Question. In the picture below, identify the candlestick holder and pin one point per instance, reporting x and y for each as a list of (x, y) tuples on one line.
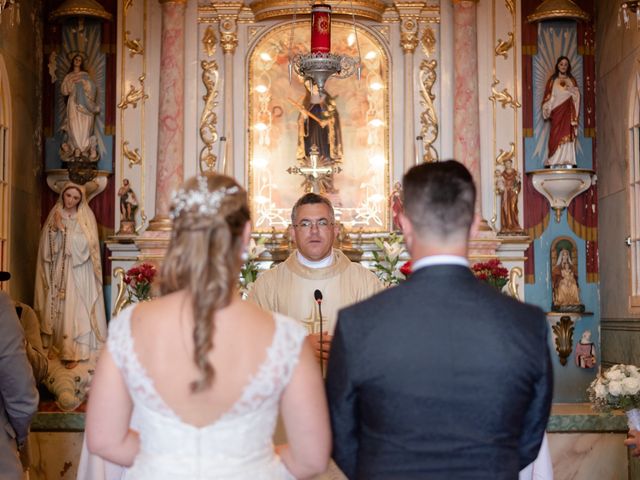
[(318, 67), (320, 64)]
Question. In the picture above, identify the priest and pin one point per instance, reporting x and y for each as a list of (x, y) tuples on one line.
[(314, 283), (316, 280)]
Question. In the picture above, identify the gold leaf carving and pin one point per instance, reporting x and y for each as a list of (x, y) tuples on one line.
[(428, 41), (563, 330), (409, 34), (504, 46), (134, 95), (508, 155), (510, 4), (121, 298), (209, 119), (429, 116), (209, 40), (134, 156), (143, 221), (127, 5), (228, 35), (512, 285), (135, 46), (503, 97)]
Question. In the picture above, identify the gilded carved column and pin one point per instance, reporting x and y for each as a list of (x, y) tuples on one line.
[(228, 13), (466, 112), (169, 172), (409, 15)]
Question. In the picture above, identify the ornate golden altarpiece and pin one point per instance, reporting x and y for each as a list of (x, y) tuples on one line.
[(241, 118)]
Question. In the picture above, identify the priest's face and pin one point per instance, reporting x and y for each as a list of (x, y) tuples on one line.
[(314, 231)]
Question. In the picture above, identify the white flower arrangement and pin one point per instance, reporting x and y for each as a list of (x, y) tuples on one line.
[(386, 264), (617, 388), (250, 270)]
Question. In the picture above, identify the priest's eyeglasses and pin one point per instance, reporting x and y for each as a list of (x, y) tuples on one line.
[(321, 224)]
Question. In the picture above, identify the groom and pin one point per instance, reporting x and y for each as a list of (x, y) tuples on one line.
[(441, 377)]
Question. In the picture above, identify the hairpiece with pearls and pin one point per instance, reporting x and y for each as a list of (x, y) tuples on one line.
[(200, 201)]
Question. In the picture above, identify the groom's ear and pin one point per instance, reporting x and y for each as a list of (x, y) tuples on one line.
[(405, 224), (407, 229), (475, 225)]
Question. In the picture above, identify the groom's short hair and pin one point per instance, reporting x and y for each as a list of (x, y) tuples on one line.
[(439, 199)]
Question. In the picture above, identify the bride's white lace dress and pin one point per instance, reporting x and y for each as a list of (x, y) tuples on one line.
[(236, 446)]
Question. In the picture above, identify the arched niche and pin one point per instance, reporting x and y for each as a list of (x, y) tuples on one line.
[(273, 127)]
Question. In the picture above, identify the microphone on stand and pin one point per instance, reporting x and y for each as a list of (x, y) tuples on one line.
[(318, 297)]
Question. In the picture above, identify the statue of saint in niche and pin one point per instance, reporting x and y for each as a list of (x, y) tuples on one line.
[(81, 140), (319, 126), (561, 106), (564, 278)]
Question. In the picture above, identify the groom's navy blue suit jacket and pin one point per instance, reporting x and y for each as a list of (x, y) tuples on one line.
[(441, 377)]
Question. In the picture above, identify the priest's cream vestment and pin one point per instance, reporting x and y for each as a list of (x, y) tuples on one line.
[(289, 289)]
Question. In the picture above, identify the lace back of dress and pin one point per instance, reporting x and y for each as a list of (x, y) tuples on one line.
[(120, 344), (275, 372)]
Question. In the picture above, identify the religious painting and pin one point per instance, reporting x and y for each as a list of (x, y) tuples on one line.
[(564, 276), (335, 142)]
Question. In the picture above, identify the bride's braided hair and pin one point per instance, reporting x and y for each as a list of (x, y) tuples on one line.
[(209, 215)]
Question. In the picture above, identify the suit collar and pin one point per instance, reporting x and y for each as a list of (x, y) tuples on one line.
[(442, 271)]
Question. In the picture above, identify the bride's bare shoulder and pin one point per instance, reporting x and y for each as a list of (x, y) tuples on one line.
[(165, 307)]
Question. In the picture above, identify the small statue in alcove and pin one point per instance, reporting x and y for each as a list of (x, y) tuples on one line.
[(564, 278), (128, 207), (586, 351)]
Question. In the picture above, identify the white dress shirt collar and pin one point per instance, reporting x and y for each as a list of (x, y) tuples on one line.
[(432, 260)]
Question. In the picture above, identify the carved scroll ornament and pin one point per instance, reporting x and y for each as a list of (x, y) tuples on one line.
[(209, 119), (504, 97), (134, 95), (429, 116)]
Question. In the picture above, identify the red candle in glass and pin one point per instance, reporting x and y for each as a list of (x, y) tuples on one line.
[(320, 28)]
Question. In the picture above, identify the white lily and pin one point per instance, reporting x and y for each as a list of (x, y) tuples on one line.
[(256, 248), (392, 251)]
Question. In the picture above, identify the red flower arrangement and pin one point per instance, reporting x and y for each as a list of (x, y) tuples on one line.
[(491, 272), (138, 280)]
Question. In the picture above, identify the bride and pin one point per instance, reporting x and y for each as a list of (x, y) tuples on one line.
[(206, 372)]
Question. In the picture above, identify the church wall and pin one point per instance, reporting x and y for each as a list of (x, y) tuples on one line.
[(617, 63), (21, 49), (136, 121)]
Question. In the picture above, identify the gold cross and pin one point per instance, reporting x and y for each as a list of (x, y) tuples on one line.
[(313, 173)]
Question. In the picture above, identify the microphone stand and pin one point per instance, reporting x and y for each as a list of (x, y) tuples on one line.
[(321, 347)]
